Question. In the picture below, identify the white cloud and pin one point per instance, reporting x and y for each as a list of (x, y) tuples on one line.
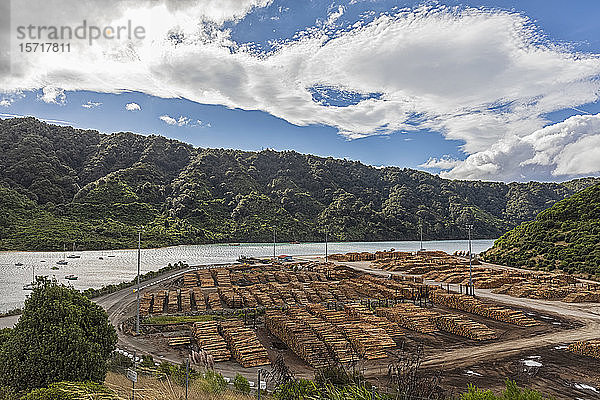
[(53, 95), (445, 162), (334, 16), (132, 107), (5, 102), (91, 104), (565, 149), (168, 120), (181, 121), (484, 77)]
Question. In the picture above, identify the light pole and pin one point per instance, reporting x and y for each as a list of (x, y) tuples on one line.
[(273, 243), (469, 227), (421, 232), (326, 232), (137, 317)]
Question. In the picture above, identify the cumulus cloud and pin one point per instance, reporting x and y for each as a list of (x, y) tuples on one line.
[(181, 121), (91, 104), (132, 107), (485, 77), (53, 95), (565, 149), (5, 102)]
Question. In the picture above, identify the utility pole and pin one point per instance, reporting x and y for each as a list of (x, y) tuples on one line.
[(273, 243), (469, 227), (187, 376), (326, 254), (133, 380), (137, 317), (258, 389), (421, 231)]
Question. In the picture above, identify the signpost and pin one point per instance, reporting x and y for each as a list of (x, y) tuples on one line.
[(131, 375)]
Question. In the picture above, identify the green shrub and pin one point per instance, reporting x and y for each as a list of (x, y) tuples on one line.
[(212, 382), (474, 393), (71, 391), (61, 336), (299, 389), (241, 384)]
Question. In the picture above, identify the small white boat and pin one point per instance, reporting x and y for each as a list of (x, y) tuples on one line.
[(71, 277), (18, 264), (62, 262)]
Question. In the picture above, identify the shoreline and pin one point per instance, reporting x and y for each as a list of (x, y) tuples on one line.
[(242, 244)]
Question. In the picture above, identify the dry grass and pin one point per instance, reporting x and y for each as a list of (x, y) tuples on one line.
[(150, 388)]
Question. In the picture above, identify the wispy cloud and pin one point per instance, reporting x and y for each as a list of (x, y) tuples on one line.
[(183, 121), (91, 104), (5, 102)]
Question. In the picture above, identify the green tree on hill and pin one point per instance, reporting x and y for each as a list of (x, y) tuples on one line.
[(565, 236), (61, 336)]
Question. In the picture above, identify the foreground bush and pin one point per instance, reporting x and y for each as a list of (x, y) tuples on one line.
[(61, 336), (71, 391), (511, 392)]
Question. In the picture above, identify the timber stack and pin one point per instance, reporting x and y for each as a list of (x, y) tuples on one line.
[(586, 348), (207, 336), (159, 302), (245, 346), (334, 339), (464, 327), (172, 305), (475, 306), (299, 338), (410, 317)]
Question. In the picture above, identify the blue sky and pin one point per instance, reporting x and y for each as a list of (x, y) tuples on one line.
[(430, 132)]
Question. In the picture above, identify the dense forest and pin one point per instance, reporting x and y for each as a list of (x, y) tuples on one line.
[(63, 185), (566, 236)]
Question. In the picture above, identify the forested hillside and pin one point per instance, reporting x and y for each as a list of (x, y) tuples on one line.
[(63, 185), (566, 236)]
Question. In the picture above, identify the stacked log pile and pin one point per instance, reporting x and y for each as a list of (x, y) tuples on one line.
[(179, 341), (362, 313), (586, 296), (589, 349), (186, 300), (159, 302), (230, 297), (368, 340), (475, 306), (244, 345), (205, 278), (207, 336), (199, 299), (334, 339), (173, 304), (464, 327), (261, 295), (146, 303), (190, 280), (221, 276), (248, 298), (214, 303), (298, 337), (410, 317)]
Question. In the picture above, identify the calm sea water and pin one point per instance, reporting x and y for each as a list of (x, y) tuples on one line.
[(95, 272)]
